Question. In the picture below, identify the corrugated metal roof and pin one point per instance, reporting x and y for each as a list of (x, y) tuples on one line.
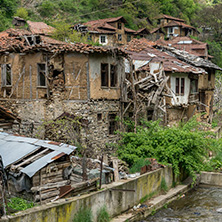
[(14, 148)]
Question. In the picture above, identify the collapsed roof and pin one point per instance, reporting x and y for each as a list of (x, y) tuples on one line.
[(20, 40), (40, 28), (143, 50)]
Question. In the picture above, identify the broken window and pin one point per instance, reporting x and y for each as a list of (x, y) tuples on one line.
[(104, 75), (6, 75), (89, 38), (113, 76), (112, 123), (180, 86), (128, 38), (119, 25), (102, 39), (119, 37), (149, 114), (41, 74), (193, 86)]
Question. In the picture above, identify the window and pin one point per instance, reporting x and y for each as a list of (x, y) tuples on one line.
[(6, 75), (103, 39), (41, 74), (119, 25), (170, 30), (99, 117), (113, 76), (104, 75), (180, 86), (109, 76), (119, 37), (128, 38), (89, 38), (112, 123), (193, 86)]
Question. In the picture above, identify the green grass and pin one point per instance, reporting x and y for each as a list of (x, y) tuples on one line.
[(83, 215), (103, 215)]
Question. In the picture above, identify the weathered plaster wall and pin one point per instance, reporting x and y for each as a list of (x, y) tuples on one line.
[(211, 178), (115, 201), (96, 90)]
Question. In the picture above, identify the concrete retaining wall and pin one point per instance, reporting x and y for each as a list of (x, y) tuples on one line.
[(211, 178), (116, 201)]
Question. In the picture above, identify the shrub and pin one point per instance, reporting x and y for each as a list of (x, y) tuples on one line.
[(19, 204), (184, 147), (22, 13), (83, 215), (103, 215)]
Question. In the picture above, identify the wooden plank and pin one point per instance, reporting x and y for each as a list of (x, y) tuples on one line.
[(116, 172), (30, 77)]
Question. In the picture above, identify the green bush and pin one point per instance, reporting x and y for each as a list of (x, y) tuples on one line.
[(19, 204), (163, 185), (83, 215), (138, 165), (184, 147), (103, 215)]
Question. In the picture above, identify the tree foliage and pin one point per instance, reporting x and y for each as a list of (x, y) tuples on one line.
[(183, 146)]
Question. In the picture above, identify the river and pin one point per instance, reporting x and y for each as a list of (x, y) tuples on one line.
[(201, 204)]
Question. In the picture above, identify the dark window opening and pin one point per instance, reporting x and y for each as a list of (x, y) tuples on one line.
[(193, 86), (6, 75), (119, 37), (89, 38), (41, 75), (112, 123), (182, 86), (104, 75), (119, 25), (37, 39), (99, 117), (149, 115), (113, 76), (177, 85), (128, 38), (209, 76)]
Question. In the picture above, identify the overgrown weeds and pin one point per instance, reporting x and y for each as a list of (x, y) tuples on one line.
[(83, 215), (138, 165), (103, 215), (19, 204)]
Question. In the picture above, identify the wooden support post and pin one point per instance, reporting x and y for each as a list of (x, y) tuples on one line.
[(84, 168), (116, 170), (101, 172)]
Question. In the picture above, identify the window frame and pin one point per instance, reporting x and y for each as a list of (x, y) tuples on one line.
[(4, 74), (38, 75), (129, 38), (120, 38), (111, 71), (119, 25), (180, 86), (104, 72), (105, 39)]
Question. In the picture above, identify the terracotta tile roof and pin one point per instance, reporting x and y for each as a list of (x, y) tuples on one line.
[(142, 49), (15, 42), (180, 24), (129, 30), (187, 44), (40, 28), (142, 30), (102, 25), (170, 17), (156, 29)]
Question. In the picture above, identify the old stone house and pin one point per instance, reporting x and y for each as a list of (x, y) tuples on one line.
[(175, 27), (180, 85), (41, 78), (109, 31)]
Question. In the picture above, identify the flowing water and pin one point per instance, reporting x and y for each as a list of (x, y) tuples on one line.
[(201, 204)]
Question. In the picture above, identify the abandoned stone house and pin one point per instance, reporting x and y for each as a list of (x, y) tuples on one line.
[(41, 78), (183, 82), (175, 27), (109, 31)]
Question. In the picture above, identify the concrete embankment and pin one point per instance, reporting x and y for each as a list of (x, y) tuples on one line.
[(211, 178), (117, 197)]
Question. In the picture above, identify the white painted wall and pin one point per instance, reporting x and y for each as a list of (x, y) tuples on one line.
[(180, 99)]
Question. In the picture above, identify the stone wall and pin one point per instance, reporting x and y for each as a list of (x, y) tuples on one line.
[(117, 201), (34, 113)]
